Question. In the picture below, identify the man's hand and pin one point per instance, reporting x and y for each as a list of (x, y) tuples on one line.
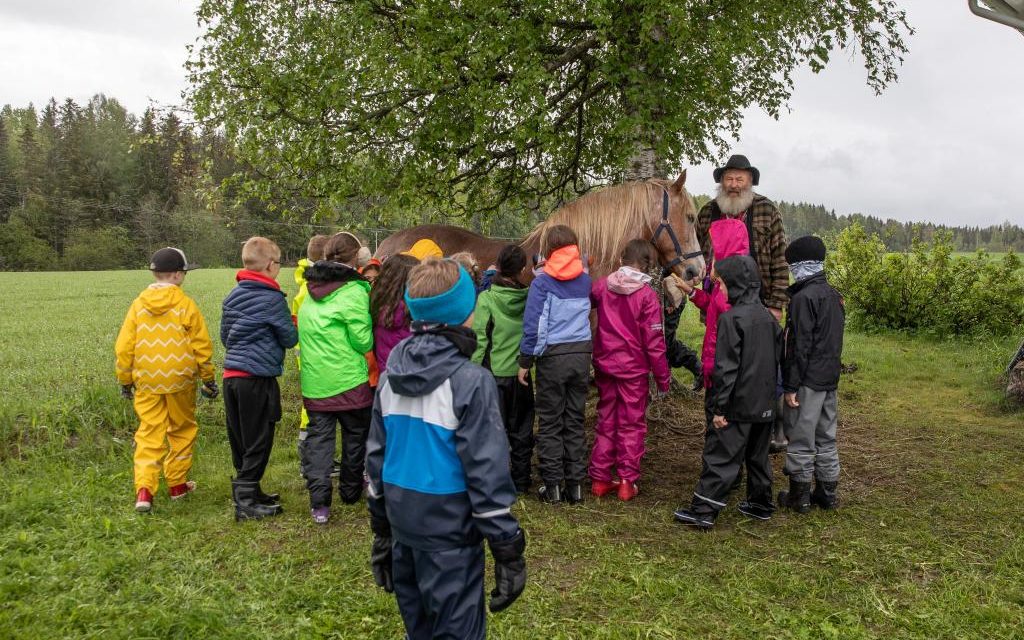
[(209, 389), (522, 376), (791, 400), (509, 571), (128, 391), (776, 313), (720, 422)]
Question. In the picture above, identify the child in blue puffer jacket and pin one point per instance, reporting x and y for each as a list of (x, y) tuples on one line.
[(256, 328)]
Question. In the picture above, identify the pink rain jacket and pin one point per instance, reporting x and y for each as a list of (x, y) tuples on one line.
[(628, 341), (728, 238)]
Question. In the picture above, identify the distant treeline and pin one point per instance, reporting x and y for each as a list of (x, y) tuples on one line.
[(95, 187), (803, 218)]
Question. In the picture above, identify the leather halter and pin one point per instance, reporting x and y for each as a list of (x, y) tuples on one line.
[(667, 227)]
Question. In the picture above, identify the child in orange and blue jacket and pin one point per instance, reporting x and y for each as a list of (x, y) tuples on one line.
[(556, 337)]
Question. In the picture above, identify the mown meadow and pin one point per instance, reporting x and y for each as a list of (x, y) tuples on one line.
[(928, 542)]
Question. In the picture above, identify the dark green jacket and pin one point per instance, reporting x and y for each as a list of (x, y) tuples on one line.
[(498, 323)]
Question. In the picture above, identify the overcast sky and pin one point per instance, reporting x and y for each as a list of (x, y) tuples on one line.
[(944, 144)]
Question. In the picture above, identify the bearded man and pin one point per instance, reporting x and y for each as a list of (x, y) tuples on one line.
[(736, 199)]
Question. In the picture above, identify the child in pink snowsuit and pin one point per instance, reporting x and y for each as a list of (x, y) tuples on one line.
[(728, 238), (628, 344)]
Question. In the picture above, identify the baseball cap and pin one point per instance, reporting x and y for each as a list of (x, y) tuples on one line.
[(169, 260)]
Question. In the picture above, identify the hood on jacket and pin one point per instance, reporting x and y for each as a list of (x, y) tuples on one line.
[(420, 364), (324, 278), (729, 238), (741, 277), (300, 271), (510, 301), (158, 298), (627, 280), (564, 263)]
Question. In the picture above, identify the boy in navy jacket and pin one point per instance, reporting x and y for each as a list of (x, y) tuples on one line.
[(556, 337), (437, 461), (256, 328)]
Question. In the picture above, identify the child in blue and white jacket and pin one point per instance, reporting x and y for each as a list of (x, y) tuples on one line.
[(556, 337), (437, 463)]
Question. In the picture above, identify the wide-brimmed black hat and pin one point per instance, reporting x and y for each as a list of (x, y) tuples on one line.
[(738, 162)]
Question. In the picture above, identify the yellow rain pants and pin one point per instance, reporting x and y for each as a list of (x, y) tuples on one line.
[(166, 436)]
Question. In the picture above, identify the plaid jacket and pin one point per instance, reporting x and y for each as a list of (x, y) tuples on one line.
[(767, 246)]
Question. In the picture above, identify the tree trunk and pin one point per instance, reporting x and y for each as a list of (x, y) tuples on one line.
[(644, 164)]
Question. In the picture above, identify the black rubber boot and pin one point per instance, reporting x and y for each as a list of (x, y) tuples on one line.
[(778, 442), (573, 493), (824, 496), (246, 506), (550, 493), (268, 499), (798, 498)]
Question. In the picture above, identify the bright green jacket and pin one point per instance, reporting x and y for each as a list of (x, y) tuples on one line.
[(498, 323), (334, 333)]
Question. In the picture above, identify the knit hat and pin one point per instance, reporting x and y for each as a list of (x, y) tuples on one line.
[(169, 260), (451, 307), (424, 249), (805, 248)]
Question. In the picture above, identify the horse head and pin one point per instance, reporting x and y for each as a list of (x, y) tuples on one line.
[(673, 230)]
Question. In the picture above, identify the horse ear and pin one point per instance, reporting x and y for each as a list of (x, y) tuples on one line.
[(680, 181)]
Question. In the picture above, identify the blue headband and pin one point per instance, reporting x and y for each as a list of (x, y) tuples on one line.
[(451, 307)]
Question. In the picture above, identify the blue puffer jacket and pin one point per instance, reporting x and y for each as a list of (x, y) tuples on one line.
[(437, 457), (256, 326)]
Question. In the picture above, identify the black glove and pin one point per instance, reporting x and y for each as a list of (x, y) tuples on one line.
[(128, 391), (209, 389), (509, 571), (380, 555)]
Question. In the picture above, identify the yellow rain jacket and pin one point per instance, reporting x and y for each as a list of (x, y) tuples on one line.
[(300, 279), (163, 343)]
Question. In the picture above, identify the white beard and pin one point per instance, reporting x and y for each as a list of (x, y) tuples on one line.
[(733, 205)]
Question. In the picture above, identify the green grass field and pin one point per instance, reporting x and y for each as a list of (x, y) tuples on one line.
[(928, 543)]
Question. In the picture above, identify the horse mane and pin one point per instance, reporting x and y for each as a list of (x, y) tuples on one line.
[(605, 220)]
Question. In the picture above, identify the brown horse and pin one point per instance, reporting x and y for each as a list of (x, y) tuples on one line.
[(657, 210)]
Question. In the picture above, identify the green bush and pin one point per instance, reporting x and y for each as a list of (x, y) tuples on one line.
[(926, 290), (99, 249), (20, 250)]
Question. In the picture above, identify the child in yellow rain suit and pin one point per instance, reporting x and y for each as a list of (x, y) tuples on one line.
[(163, 344)]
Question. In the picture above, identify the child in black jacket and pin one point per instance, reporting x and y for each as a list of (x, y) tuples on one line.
[(810, 377), (741, 402)]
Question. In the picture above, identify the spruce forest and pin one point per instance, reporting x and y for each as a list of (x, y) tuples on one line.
[(95, 187)]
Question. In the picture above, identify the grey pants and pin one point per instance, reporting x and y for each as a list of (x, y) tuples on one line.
[(811, 431)]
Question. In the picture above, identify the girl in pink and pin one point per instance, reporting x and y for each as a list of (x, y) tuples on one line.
[(628, 344), (728, 238), (391, 319)]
